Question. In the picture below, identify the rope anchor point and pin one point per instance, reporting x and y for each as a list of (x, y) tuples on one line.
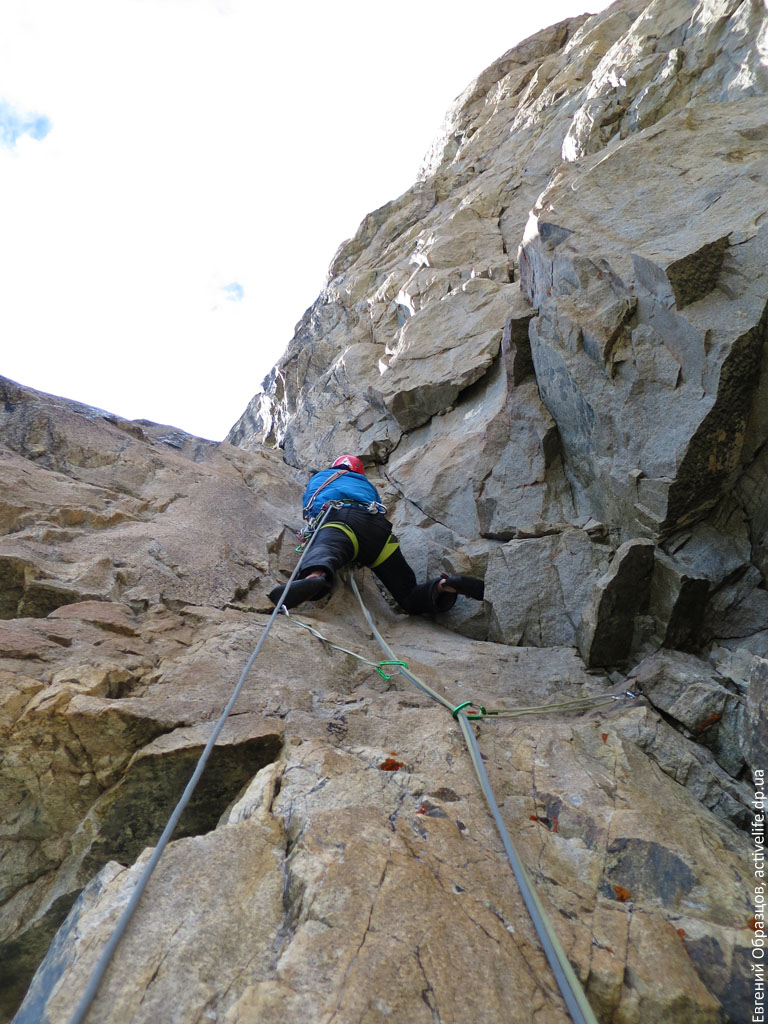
[(480, 711), (381, 664)]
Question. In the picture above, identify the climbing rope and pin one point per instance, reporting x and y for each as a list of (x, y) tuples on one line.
[(378, 665), (598, 700), (479, 710), (568, 983), (97, 975)]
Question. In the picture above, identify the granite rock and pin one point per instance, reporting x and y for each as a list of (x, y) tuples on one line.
[(551, 354)]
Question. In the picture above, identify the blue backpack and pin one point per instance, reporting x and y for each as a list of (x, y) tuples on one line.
[(337, 485)]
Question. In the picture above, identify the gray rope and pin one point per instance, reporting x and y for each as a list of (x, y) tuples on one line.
[(568, 983), (97, 975), (336, 647), (418, 683)]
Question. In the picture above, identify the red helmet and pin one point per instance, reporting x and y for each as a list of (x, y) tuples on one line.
[(350, 462)]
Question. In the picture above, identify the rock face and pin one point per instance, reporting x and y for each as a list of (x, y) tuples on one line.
[(519, 375), (551, 352)]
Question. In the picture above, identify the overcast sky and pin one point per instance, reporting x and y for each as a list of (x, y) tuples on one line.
[(176, 175)]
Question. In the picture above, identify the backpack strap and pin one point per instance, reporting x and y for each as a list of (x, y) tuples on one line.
[(335, 476)]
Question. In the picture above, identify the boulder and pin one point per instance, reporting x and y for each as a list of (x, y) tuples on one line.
[(698, 699), (457, 339), (539, 587), (677, 602), (606, 631)]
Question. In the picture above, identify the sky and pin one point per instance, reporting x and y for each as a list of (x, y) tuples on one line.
[(176, 176)]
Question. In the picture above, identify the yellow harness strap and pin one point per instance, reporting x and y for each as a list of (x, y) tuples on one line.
[(390, 545), (389, 548), (349, 532)]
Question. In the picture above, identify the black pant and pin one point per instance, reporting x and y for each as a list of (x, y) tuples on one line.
[(332, 549)]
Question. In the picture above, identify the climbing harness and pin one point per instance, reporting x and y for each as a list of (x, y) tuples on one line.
[(374, 507), (390, 547), (348, 532), (97, 975)]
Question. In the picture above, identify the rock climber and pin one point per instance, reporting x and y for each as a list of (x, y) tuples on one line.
[(356, 530)]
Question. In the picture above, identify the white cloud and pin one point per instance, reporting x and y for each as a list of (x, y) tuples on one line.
[(199, 144)]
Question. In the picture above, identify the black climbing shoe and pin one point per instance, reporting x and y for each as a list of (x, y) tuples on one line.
[(311, 589), (469, 586)]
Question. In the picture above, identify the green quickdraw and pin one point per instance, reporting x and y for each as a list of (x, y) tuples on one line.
[(378, 665), (460, 707), (471, 704), (383, 674)]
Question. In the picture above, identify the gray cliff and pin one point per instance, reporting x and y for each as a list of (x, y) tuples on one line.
[(551, 353)]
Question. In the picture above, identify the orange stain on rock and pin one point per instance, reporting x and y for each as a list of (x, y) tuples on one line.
[(708, 721), (549, 823)]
